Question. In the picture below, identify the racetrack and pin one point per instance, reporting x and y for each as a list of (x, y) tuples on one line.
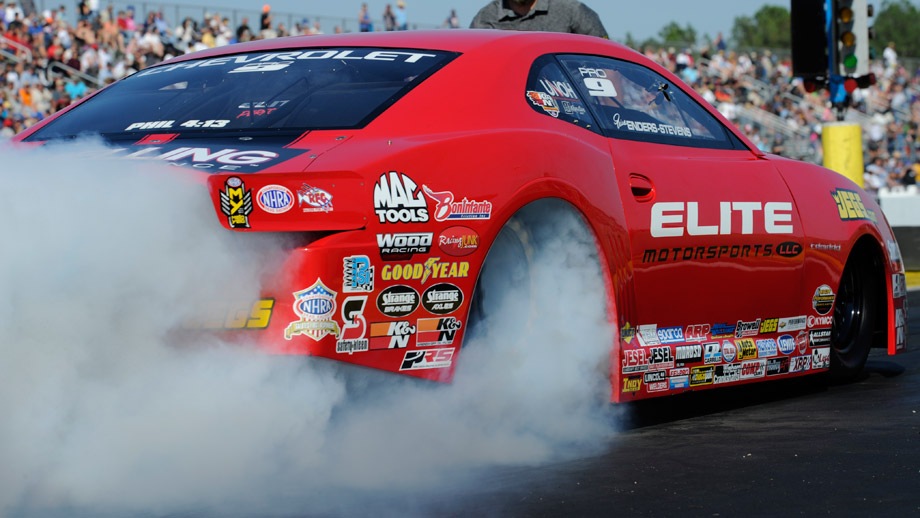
[(775, 449)]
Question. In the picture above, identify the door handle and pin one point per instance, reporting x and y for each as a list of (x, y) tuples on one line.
[(641, 186)]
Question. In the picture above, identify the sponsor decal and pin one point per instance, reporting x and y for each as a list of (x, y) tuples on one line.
[(398, 301), (712, 353), (723, 330), (314, 199), (256, 316), (671, 335), (776, 366), (427, 359), (660, 358), (206, 159), (729, 351), (314, 306), (766, 348), (648, 335), (898, 285), (727, 373), (900, 327), (826, 247), (627, 333), (675, 219), (800, 363), (544, 101), (632, 384), (747, 349), (398, 199), (442, 299), (701, 376), (684, 371), (151, 125), (769, 326), (753, 369), (814, 321), (576, 109), (448, 208), (789, 249), (850, 206), (894, 251), (819, 337), (650, 127), (656, 376), (685, 354), (801, 342), (713, 252), (358, 274), (437, 331), (744, 329), (354, 327), (679, 382), (275, 199), (458, 241), (697, 333), (789, 324), (560, 89), (391, 335), (634, 360), (823, 300), (821, 358), (432, 268), (657, 386), (274, 61), (404, 245), (786, 344), (236, 202)]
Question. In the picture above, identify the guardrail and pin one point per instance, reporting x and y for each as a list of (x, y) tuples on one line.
[(23, 53)]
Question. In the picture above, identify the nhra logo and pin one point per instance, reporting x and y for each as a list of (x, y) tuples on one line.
[(236, 202), (403, 246), (358, 274), (397, 199), (397, 301), (437, 331), (442, 299), (315, 199), (391, 335), (275, 199), (315, 306), (429, 359)]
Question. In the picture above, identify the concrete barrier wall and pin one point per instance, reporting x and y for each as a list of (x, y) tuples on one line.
[(902, 208)]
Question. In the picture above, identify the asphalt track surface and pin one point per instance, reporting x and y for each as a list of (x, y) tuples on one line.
[(796, 448)]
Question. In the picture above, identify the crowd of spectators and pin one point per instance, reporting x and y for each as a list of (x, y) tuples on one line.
[(51, 62)]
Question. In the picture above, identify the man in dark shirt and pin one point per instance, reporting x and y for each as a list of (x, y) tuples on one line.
[(540, 15)]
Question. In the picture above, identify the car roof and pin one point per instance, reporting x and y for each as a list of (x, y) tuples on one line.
[(454, 40)]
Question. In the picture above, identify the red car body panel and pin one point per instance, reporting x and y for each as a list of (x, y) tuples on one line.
[(697, 246)]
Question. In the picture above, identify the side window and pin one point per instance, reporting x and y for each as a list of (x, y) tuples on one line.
[(551, 92), (635, 103)]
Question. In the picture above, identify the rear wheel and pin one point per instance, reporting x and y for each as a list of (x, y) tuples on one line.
[(855, 316)]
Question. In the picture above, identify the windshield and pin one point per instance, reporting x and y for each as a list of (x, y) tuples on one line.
[(255, 93)]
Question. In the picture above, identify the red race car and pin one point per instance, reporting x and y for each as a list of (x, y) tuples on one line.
[(419, 168)]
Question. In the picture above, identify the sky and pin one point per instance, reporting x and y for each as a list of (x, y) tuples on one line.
[(642, 19)]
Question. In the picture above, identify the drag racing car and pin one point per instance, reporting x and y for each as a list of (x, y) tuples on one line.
[(412, 164)]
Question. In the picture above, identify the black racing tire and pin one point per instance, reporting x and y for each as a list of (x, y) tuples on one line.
[(508, 263), (855, 317)]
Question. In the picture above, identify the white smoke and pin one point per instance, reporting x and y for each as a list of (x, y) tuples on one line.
[(103, 413)]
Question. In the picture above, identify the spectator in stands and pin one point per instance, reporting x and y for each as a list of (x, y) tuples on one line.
[(402, 17), (569, 16), (452, 21), (389, 18), (364, 19), (243, 28)]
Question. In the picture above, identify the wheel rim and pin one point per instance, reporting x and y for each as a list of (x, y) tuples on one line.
[(848, 314)]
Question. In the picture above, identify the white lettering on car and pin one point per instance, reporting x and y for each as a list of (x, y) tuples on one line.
[(674, 219)]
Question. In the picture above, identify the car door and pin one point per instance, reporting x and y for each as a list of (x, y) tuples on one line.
[(716, 240)]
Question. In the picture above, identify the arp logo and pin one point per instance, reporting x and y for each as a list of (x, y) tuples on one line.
[(697, 333), (427, 359)]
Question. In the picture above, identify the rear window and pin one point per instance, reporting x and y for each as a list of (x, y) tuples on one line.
[(259, 92)]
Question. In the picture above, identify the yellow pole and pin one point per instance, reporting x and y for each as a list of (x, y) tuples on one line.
[(843, 150)]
